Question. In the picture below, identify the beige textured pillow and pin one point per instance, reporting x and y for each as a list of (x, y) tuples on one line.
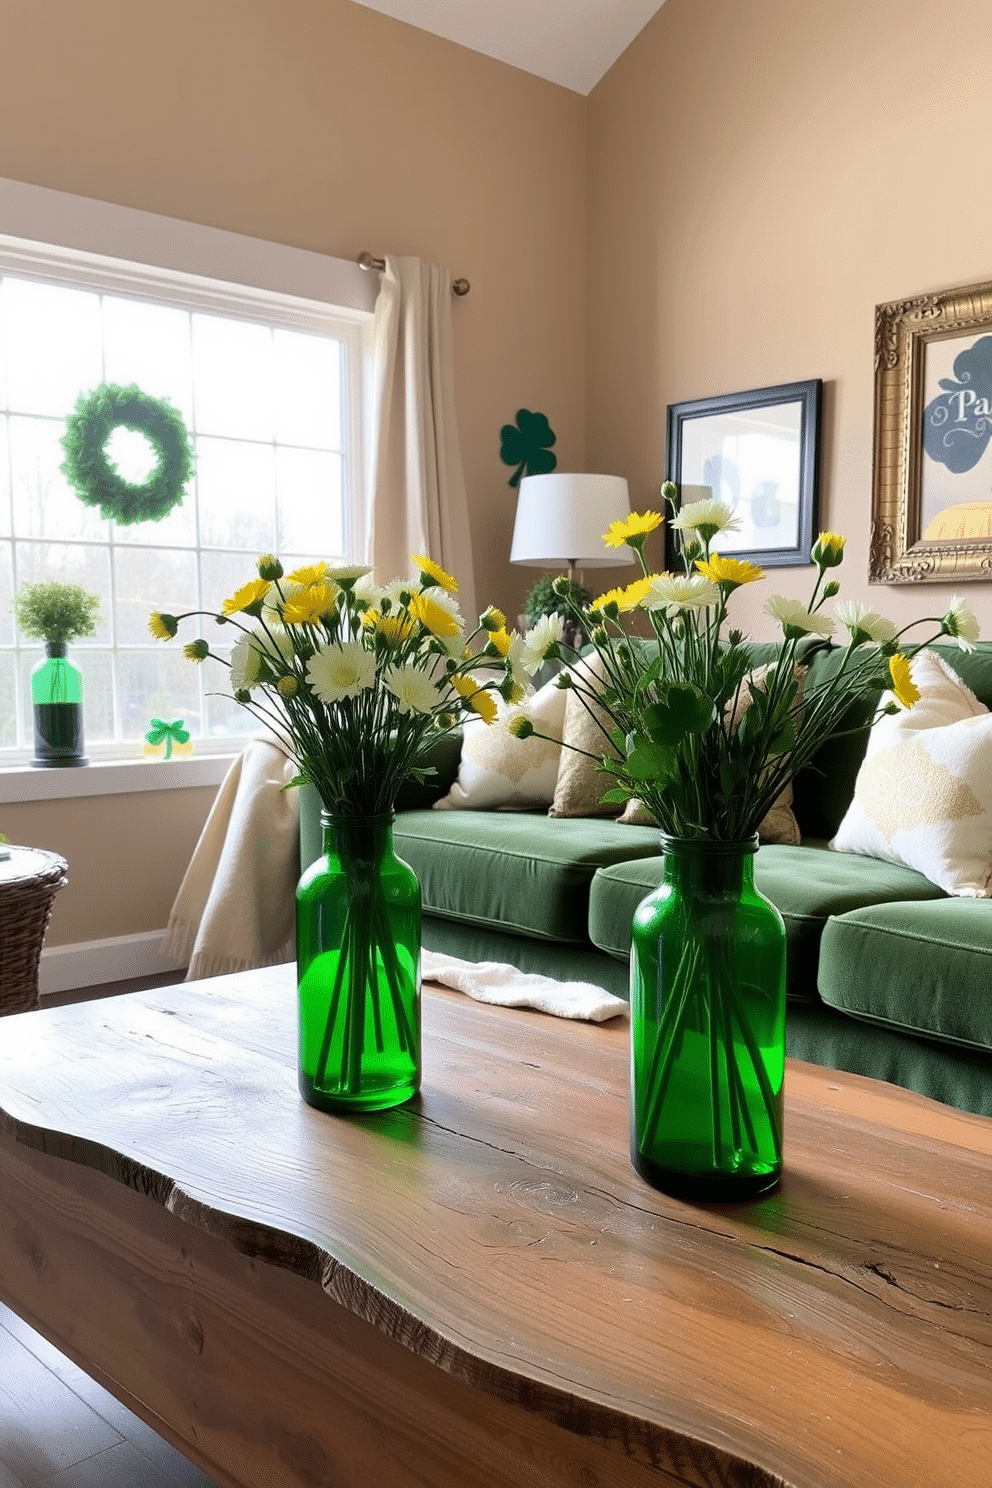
[(923, 795), (497, 770), (580, 783), (779, 822)]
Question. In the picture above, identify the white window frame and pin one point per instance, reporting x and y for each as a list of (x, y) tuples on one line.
[(53, 236)]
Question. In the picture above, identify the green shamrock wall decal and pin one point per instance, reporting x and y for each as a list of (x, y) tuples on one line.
[(527, 445)]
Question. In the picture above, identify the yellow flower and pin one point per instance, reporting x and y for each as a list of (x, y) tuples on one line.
[(828, 550), (633, 531), (624, 599), (431, 570), (479, 701), (247, 597), (309, 605), (162, 627), (630, 598), (314, 574), (501, 639), (492, 619), (196, 651), (905, 689), (612, 596), (394, 629), (730, 571), (287, 686), (432, 616)]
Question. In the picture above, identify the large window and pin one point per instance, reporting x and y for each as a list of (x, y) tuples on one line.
[(268, 386)]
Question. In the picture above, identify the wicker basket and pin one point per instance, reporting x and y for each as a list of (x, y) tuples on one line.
[(29, 880)]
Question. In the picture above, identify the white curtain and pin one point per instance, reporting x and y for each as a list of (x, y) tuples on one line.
[(418, 502)]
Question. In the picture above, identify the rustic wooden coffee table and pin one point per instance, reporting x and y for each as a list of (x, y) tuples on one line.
[(477, 1291)]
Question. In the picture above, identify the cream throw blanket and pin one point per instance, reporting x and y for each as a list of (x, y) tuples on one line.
[(236, 907), (236, 904)]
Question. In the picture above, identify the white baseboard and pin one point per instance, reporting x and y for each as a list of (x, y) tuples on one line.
[(90, 963)]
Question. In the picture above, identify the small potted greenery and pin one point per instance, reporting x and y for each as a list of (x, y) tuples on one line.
[(56, 613)]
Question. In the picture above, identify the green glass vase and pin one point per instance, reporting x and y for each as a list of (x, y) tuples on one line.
[(358, 924), (57, 699), (707, 1015)]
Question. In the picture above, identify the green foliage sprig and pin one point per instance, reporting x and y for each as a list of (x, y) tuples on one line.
[(93, 475), (53, 611)]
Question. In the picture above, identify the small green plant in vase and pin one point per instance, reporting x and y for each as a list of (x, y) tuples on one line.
[(56, 613)]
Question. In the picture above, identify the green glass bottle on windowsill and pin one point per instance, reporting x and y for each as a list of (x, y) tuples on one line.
[(57, 698), (55, 612)]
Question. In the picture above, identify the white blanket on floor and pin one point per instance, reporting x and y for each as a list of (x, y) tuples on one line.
[(492, 981)]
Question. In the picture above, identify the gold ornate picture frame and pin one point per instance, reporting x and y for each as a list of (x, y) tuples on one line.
[(932, 460)]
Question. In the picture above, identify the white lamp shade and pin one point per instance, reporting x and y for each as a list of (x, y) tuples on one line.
[(561, 520)]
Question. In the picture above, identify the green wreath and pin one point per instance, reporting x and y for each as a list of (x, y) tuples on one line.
[(97, 481)]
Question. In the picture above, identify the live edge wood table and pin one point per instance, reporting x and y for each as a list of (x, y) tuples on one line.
[(477, 1291)]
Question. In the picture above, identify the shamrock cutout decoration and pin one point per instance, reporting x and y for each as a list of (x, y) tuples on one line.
[(527, 445), (165, 733)]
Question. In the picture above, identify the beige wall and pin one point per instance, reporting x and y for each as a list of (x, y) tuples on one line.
[(761, 176), (320, 124)]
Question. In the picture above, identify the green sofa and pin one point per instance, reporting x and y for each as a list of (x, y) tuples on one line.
[(886, 975)]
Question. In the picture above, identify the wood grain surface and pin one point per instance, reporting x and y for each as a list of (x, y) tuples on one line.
[(477, 1288)]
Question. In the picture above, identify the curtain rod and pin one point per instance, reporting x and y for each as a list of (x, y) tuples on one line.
[(366, 261)]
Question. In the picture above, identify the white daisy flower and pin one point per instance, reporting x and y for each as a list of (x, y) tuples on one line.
[(368, 591), (864, 624), (347, 574), (707, 517), (960, 623), (547, 631), (676, 592), (795, 619), (246, 662), (336, 672), (414, 691)]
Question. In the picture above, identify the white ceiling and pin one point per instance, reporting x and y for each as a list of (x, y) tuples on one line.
[(572, 42)]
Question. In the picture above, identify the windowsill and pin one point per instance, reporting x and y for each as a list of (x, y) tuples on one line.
[(111, 778)]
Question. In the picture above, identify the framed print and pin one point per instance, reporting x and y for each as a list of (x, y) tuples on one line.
[(757, 452), (931, 468)]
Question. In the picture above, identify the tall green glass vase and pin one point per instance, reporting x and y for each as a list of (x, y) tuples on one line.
[(707, 1026), (358, 924), (57, 699)]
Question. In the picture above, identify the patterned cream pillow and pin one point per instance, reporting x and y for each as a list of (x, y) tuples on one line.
[(581, 783), (497, 770), (923, 795)]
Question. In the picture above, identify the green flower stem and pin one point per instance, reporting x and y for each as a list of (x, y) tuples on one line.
[(391, 967), (320, 1077)]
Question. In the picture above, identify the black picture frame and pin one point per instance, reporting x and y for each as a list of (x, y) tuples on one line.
[(772, 485)]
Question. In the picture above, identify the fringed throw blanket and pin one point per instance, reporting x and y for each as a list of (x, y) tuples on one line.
[(236, 907)]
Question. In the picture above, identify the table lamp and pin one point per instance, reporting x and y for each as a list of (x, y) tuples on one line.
[(561, 519)]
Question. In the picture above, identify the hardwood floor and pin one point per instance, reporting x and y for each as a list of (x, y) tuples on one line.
[(59, 1428)]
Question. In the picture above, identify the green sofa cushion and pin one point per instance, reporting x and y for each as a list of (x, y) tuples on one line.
[(930, 968), (522, 871), (806, 884)]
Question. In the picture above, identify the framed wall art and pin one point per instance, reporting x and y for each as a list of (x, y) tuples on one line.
[(758, 452), (932, 465)]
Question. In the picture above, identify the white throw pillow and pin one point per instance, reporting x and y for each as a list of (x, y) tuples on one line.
[(923, 795), (497, 770)]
